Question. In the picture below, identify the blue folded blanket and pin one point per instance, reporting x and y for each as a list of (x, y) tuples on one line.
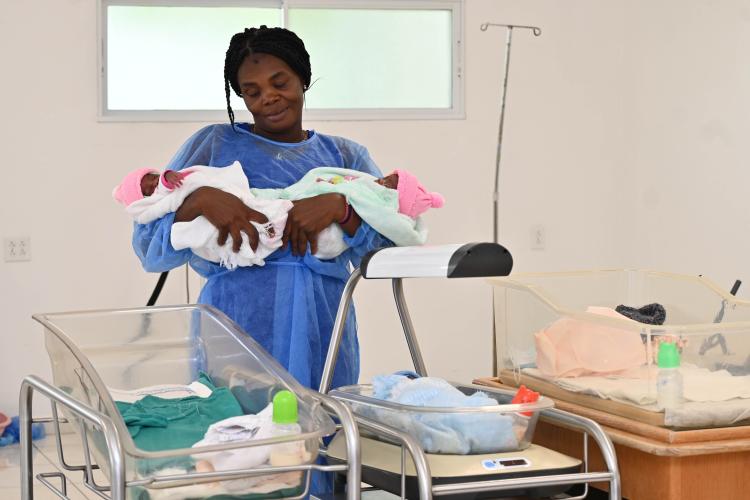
[(446, 433)]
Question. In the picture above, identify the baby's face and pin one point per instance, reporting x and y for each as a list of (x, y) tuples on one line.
[(149, 183), (389, 181)]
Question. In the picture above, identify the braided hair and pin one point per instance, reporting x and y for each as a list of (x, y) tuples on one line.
[(279, 42)]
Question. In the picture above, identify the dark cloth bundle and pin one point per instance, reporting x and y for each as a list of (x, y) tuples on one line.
[(651, 314)]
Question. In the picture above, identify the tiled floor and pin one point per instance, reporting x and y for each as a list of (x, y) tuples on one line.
[(45, 460)]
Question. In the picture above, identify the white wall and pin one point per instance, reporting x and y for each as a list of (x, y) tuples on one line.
[(563, 167), (687, 136)]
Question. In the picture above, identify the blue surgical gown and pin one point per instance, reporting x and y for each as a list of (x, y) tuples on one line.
[(288, 305)]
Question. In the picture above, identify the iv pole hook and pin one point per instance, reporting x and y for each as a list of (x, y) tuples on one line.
[(536, 30)]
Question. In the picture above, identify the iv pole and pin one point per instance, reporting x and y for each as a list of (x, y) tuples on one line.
[(496, 193)]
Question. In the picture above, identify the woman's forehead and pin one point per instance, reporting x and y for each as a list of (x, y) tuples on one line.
[(261, 67)]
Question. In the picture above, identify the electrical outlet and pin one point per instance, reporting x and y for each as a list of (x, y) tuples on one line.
[(17, 249), (538, 237)]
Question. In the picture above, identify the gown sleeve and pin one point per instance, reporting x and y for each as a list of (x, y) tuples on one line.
[(151, 241), (365, 239)]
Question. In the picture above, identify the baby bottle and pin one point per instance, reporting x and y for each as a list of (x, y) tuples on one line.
[(669, 379), (285, 424)]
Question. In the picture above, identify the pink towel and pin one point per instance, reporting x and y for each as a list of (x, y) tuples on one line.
[(572, 348)]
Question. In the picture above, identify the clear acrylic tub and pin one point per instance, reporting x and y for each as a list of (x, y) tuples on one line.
[(613, 357), (92, 353), (453, 430)]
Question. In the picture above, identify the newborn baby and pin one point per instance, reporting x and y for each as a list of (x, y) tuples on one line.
[(149, 195)]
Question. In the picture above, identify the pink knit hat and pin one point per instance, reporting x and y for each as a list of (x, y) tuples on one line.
[(413, 198), (129, 189)]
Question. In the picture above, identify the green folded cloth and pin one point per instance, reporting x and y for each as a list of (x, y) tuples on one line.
[(157, 424)]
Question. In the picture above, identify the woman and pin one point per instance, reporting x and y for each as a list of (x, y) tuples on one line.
[(288, 305)]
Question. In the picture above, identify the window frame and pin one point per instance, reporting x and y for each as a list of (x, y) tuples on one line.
[(456, 111)]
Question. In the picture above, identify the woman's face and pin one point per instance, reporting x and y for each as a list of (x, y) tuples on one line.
[(273, 94)]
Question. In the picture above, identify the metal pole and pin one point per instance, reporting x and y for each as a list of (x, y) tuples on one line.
[(606, 447), (498, 154), (508, 40), (496, 193), (353, 448), (338, 330), (519, 482), (411, 337), (111, 438), (27, 467), (421, 466)]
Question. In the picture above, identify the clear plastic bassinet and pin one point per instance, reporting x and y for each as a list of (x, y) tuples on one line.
[(92, 353), (453, 430), (710, 326)]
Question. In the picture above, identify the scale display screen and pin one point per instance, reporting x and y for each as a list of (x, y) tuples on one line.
[(505, 463)]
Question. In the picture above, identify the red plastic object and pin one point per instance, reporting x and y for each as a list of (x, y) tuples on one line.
[(4, 422), (525, 395)]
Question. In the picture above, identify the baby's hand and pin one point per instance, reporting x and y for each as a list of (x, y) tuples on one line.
[(174, 178)]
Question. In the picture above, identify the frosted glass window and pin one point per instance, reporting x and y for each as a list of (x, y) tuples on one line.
[(172, 58), (377, 58), (371, 59)]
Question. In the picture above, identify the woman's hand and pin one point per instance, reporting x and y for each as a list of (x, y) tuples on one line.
[(225, 211), (309, 217)]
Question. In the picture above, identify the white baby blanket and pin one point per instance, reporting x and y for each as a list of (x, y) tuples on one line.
[(711, 398), (164, 391), (199, 234), (236, 429)]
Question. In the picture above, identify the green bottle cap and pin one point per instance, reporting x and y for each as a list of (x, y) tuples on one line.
[(285, 408), (669, 356)]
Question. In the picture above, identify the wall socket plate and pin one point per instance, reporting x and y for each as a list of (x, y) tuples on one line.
[(17, 249), (538, 237)]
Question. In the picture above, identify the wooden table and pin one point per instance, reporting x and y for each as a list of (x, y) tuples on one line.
[(657, 463)]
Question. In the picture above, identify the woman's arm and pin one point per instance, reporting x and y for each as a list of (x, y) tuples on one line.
[(153, 247), (225, 211), (152, 243), (310, 216)]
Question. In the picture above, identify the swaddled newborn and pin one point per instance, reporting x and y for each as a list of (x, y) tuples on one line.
[(392, 205), (148, 196)]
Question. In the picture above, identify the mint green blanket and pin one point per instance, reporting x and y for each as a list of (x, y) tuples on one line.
[(375, 204)]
